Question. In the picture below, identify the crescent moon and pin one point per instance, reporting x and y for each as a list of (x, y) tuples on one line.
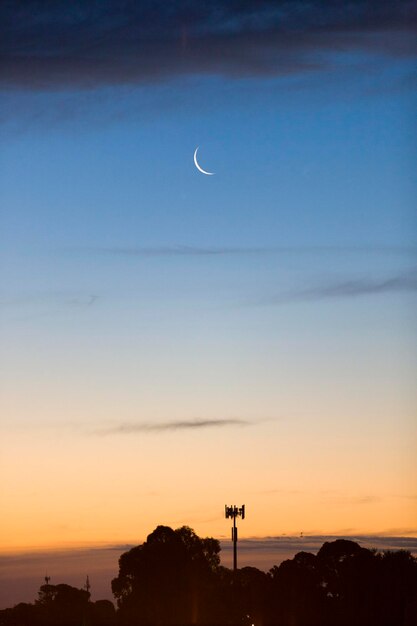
[(200, 169)]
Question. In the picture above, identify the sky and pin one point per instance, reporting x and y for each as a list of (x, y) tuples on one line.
[(174, 342)]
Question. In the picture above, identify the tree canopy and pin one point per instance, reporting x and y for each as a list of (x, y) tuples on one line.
[(60, 605), (167, 579)]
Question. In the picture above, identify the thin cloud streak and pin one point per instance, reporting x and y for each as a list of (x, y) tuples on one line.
[(63, 45), (313, 542), (63, 300), (172, 251), (402, 283), (198, 251), (23, 308), (149, 427)]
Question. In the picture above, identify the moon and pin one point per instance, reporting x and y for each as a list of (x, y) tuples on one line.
[(200, 169)]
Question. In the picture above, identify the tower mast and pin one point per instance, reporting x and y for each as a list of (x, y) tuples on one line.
[(234, 512)]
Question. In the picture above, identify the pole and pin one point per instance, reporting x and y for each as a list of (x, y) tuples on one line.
[(234, 544), (234, 512)]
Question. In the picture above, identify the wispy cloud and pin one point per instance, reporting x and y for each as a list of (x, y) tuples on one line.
[(157, 427), (197, 251), (327, 497), (404, 282), (24, 307), (79, 44), (346, 500), (178, 250), (42, 299)]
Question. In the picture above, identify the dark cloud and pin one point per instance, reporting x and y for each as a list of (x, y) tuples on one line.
[(406, 282), (49, 44), (268, 551), (156, 427), (312, 543)]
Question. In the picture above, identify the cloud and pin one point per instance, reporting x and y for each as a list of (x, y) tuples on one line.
[(149, 427), (178, 250), (268, 551), (22, 308), (60, 300), (197, 251), (402, 283), (55, 45), (343, 500)]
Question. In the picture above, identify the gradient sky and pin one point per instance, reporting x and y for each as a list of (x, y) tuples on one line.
[(172, 342)]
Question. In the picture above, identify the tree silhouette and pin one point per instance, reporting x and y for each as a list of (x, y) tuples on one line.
[(167, 579), (101, 613), (297, 594), (398, 576), (344, 585), (175, 577), (62, 604)]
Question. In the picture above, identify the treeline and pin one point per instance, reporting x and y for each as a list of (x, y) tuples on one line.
[(175, 577)]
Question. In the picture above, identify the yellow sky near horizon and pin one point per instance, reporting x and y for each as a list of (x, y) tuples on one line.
[(72, 487)]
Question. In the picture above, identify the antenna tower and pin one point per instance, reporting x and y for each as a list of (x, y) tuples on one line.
[(234, 512)]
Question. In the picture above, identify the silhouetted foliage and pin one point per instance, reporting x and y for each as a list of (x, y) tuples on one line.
[(344, 585), (23, 614), (240, 597), (175, 577), (168, 579), (296, 595), (102, 613), (60, 605)]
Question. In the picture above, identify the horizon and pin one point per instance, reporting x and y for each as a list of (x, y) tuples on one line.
[(23, 572), (400, 534)]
